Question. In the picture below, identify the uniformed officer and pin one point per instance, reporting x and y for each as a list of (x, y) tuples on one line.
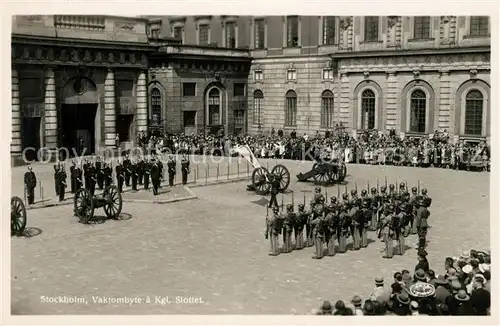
[(99, 173), (146, 170), (354, 195), (331, 221), (309, 226), (300, 223), (422, 216), (134, 174), (392, 190), (126, 170), (79, 177), (159, 163), (343, 228), (108, 174), (30, 185), (92, 178), (414, 206), (85, 166), (139, 170), (275, 189), (427, 199), (57, 167), (366, 214), (185, 170), (317, 195), (404, 227), (385, 232), (73, 173), (288, 228), (274, 225), (171, 166), (120, 175), (356, 217), (156, 176), (375, 202), (61, 176), (402, 188), (319, 224)]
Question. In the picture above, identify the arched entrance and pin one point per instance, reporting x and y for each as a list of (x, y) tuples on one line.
[(78, 116), (215, 114)]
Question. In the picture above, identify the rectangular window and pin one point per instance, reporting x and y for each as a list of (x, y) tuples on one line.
[(479, 26), (188, 89), (328, 30), (239, 117), (291, 112), (189, 118), (230, 35), (328, 74), (258, 75), (155, 33), (327, 112), (371, 29), (291, 74), (292, 31), (422, 27), (239, 89), (203, 31), (178, 32), (259, 33)]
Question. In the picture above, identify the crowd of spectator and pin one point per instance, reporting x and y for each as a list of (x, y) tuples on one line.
[(463, 287)]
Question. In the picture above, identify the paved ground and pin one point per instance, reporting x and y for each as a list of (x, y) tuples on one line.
[(213, 248)]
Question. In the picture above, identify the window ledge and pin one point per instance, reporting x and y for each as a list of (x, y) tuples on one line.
[(290, 127), (259, 49), (471, 137), (328, 45), (371, 42), (327, 80), (291, 81), (292, 47), (421, 40), (476, 36)]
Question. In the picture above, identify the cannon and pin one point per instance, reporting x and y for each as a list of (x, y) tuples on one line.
[(261, 177), (17, 216), (325, 173), (85, 204)]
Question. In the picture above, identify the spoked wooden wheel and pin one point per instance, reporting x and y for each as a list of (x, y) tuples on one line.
[(342, 172), (84, 206), (260, 181), (323, 178), (283, 175), (17, 216), (113, 202)]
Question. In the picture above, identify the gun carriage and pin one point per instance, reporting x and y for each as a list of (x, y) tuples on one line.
[(325, 173), (85, 204), (261, 177), (18, 217)]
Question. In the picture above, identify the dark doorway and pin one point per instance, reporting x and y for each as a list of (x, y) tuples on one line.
[(78, 128), (31, 136), (123, 126)]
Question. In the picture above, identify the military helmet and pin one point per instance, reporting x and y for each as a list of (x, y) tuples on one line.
[(364, 192), (414, 190), (392, 187), (354, 192), (301, 206), (402, 185), (424, 191), (383, 189), (276, 209), (333, 199), (345, 196), (373, 190), (317, 189), (321, 199), (358, 201), (390, 208), (289, 207)]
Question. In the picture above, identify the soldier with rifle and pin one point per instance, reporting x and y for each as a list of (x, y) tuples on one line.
[(357, 220), (120, 175), (288, 226), (134, 174), (30, 185), (300, 223), (331, 221), (375, 204), (395, 228), (310, 226), (385, 231), (414, 206), (366, 216), (274, 225), (404, 227), (107, 171), (422, 216), (344, 224), (127, 172), (92, 178), (99, 173), (319, 224)]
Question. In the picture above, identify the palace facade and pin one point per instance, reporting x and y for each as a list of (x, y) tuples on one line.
[(83, 80)]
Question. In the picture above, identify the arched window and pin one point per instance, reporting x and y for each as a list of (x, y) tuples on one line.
[(258, 98), (155, 114), (368, 109), (214, 107), (291, 108), (327, 109), (474, 113), (417, 111)]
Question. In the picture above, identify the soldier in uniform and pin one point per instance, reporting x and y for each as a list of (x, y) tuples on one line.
[(126, 170), (422, 216), (57, 167), (344, 224), (288, 228), (375, 202), (402, 188), (185, 170), (356, 217), (171, 170), (92, 178), (385, 232), (120, 175), (30, 185), (273, 229), (139, 170), (414, 206), (354, 195), (318, 223), (331, 221), (427, 199), (159, 163), (72, 174), (61, 177), (275, 189), (99, 173), (156, 176), (310, 226), (404, 227), (300, 222), (108, 174), (79, 177), (146, 170), (366, 214), (317, 195)]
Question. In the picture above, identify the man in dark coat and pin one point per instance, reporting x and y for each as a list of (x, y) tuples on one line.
[(155, 176), (73, 173), (61, 180), (30, 184), (171, 167), (126, 170), (99, 173), (480, 298), (57, 167), (185, 170), (120, 177)]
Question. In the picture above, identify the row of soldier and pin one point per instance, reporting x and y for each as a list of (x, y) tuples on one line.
[(393, 213), (92, 173)]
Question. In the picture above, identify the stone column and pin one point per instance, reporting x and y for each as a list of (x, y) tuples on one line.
[(391, 112), (50, 109), (109, 110), (444, 114), (15, 145), (141, 114), (345, 101)]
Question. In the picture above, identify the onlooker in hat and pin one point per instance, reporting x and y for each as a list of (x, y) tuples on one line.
[(380, 293), (442, 289), (431, 275), (341, 309), (398, 278), (414, 308), (356, 302), (326, 308), (474, 263), (380, 308), (419, 276), (464, 306), (423, 263), (407, 279), (368, 308), (402, 305), (487, 276), (480, 298)]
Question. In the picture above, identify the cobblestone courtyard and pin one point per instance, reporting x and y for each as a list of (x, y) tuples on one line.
[(213, 248)]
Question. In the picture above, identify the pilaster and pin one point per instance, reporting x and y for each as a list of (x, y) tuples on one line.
[(15, 145), (109, 110), (50, 109), (141, 115), (444, 100), (345, 100), (391, 114)]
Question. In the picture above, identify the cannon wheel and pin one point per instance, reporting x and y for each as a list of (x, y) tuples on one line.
[(284, 175), (323, 178), (259, 181), (84, 205), (113, 198), (17, 216), (342, 172)]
